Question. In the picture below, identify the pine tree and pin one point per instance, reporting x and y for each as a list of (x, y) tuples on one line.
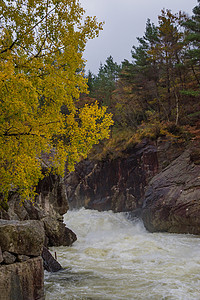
[(193, 40)]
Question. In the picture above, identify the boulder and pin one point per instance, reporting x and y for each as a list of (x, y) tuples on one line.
[(57, 233), (22, 280), (49, 206), (1, 256), (22, 237), (172, 199), (49, 262), (21, 258), (8, 258)]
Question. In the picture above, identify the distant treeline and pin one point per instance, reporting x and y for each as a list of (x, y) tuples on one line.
[(162, 82)]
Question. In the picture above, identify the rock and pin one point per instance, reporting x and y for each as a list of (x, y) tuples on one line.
[(52, 195), (172, 199), (22, 258), (22, 280), (50, 264), (1, 256), (168, 149), (8, 258), (57, 233), (119, 183), (51, 200), (51, 203), (113, 184), (22, 237)]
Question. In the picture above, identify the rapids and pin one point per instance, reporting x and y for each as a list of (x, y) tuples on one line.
[(116, 258)]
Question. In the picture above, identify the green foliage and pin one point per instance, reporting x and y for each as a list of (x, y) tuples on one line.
[(102, 85), (193, 40), (156, 94), (190, 93), (160, 78)]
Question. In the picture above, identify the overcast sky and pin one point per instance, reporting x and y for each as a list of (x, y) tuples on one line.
[(124, 21)]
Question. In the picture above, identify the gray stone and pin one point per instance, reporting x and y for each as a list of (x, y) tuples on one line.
[(22, 280), (115, 184), (50, 263), (22, 258), (8, 258), (57, 233), (50, 203), (172, 199), (22, 237), (1, 256)]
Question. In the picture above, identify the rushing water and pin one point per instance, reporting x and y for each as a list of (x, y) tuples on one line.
[(116, 258)]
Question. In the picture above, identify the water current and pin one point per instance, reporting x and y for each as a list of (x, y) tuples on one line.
[(116, 258)]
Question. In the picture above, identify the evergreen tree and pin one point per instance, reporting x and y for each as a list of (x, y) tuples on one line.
[(193, 40), (102, 86), (137, 85)]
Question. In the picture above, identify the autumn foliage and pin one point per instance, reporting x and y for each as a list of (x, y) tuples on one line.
[(41, 72), (157, 93), (162, 81)]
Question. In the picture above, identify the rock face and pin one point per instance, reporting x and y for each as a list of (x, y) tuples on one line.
[(159, 181), (21, 265), (22, 280), (119, 184), (116, 185), (50, 264), (57, 233), (22, 237), (24, 230), (49, 206), (52, 195), (172, 199)]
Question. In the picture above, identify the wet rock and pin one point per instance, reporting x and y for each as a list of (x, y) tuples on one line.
[(22, 280), (22, 237), (50, 264), (58, 234), (50, 204), (52, 195), (119, 183), (1, 256), (172, 199), (8, 258), (113, 184)]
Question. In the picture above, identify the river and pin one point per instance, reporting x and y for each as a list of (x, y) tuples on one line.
[(116, 258)]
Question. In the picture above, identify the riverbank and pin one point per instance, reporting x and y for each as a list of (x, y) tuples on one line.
[(26, 229)]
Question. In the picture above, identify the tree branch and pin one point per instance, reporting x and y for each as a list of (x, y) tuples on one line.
[(28, 31)]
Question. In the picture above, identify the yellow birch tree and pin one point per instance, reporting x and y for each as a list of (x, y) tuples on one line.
[(41, 71)]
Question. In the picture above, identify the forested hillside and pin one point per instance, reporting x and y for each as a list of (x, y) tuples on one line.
[(44, 103), (157, 93)]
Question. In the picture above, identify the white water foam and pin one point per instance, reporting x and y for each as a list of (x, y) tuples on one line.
[(116, 258)]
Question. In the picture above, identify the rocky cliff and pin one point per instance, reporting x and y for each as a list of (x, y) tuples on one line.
[(24, 230), (172, 198), (48, 207), (21, 264), (119, 184), (159, 181)]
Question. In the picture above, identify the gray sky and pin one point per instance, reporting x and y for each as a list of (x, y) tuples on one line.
[(124, 21)]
